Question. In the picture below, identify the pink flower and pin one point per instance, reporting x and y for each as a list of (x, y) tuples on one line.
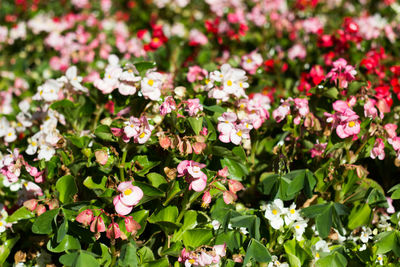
[(229, 197), (196, 73), (379, 149), (97, 225), (281, 112), (391, 129), (369, 109), (113, 231), (235, 186), (350, 128), (391, 208), (297, 51), (40, 209), (318, 149), (196, 37), (139, 129), (251, 62), (167, 106), (206, 199), (193, 106), (31, 204), (194, 176), (85, 217), (342, 72), (129, 197), (131, 225), (224, 172)]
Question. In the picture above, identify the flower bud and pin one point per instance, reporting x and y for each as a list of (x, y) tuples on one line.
[(235, 186), (206, 199), (131, 225), (97, 225), (229, 197), (31, 204), (101, 157), (113, 231), (40, 209), (85, 217), (53, 204)]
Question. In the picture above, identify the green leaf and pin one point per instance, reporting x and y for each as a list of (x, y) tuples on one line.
[(163, 262), (324, 222), (189, 222), (20, 214), (104, 132), (232, 240), (67, 188), (85, 259), (6, 248), (95, 183), (334, 260), (236, 169), (68, 243), (296, 254), (62, 230), (360, 215), (195, 238), (65, 103), (128, 255), (43, 224), (167, 214), (257, 251), (197, 124), (396, 192), (250, 222), (145, 255), (142, 165), (331, 93), (144, 66), (388, 241), (156, 179), (140, 217)]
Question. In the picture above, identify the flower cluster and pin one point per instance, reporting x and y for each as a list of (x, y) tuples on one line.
[(191, 170), (203, 256)]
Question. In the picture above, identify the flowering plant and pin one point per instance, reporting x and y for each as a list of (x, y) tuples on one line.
[(199, 133)]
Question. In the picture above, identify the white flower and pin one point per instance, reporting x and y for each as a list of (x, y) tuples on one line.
[(46, 152), (32, 147), (299, 228), (48, 91), (363, 247), (379, 259), (71, 77), (2, 225), (365, 234), (276, 263), (273, 213), (243, 230), (10, 135), (292, 215), (322, 246), (151, 86), (215, 224)]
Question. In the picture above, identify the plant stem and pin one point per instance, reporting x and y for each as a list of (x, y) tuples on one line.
[(113, 254), (122, 164)]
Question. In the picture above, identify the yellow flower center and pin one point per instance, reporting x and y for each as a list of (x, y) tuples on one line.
[(249, 60), (41, 92), (274, 211), (130, 71), (150, 82), (241, 84), (109, 76), (142, 135), (9, 134), (127, 192), (156, 39), (1, 223), (317, 255), (207, 81), (191, 261), (351, 124), (297, 226), (229, 83), (292, 211), (239, 133), (379, 258), (34, 143), (74, 78)]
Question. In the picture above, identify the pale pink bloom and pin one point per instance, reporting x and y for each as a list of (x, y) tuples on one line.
[(251, 62), (342, 72), (131, 225), (167, 106), (223, 172), (204, 259), (395, 142), (235, 186), (391, 129), (196, 37), (350, 128), (113, 231), (391, 208), (191, 170), (318, 149), (138, 129), (120, 207), (378, 151), (196, 73), (302, 106), (297, 51), (206, 199), (369, 109), (193, 106), (33, 188), (312, 25), (281, 112), (31, 204), (85, 217), (229, 197), (130, 194)]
